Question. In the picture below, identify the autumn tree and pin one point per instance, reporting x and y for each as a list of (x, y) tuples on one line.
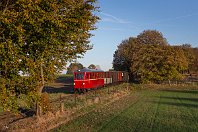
[(151, 37), (38, 37), (92, 66), (190, 55), (126, 56), (73, 67), (194, 67), (149, 58)]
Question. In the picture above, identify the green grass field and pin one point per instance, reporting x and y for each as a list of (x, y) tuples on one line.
[(144, 110)]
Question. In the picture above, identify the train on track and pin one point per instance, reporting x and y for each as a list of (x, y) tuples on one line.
[(87, 79)]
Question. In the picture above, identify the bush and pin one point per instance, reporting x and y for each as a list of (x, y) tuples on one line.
[(44, 103)]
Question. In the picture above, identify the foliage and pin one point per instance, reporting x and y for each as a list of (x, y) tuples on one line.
[(126, 56), (151, 37), (149, 58), (92, 66), (7, 100), (119, 62), (194, 66), (44, 103), (38, 38), (73, 67)]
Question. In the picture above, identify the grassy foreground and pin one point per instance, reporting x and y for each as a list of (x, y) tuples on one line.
[(144, 110)]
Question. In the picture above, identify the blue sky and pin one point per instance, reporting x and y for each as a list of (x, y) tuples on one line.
[(121, 19)]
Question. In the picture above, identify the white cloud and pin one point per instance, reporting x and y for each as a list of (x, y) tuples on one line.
[(111, 29), (110, 18)]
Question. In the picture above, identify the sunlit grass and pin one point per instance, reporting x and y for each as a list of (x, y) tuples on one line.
[(143, 110)]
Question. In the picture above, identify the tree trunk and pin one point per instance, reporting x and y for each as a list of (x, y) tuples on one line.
[(169, 82), (42, 79), (38, 108)]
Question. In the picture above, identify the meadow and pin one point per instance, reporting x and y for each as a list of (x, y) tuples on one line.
[(161, 109)]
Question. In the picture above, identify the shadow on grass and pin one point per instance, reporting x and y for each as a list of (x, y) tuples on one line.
[(63, 79), (27, 112), (62, 85), (192, 102), (8, 119), (182, 99), (181, 91), (66, 90), (177, 104)]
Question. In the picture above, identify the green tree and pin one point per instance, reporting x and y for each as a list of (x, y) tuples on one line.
[(126, 57), (38, 38), (119, 62)]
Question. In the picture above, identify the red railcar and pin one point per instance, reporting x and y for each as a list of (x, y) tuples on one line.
[(90, 78)]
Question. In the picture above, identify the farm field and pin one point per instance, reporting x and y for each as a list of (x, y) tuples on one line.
[(143, 110)]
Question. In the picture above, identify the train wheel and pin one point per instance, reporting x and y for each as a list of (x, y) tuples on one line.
[(75, 90), (78, 91), (82, 91)]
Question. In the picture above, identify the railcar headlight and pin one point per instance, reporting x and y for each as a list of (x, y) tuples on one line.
[(74, 83), (83, 83)]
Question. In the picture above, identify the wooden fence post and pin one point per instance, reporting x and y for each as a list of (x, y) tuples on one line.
[(61, 104), (75, 96)]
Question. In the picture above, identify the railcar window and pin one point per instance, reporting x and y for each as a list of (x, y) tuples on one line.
[(100, 75), (87, 76), (92, 76), (79, 76)]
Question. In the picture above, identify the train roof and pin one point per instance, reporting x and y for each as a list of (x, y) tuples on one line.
[(89, 70)]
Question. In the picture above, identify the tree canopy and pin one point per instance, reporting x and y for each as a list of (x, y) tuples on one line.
[(149, 58), (92, 66), (39, 37), (73, 67), (151, 37)]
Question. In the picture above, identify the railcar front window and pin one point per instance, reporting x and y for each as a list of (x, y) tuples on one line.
[(79, 76)]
